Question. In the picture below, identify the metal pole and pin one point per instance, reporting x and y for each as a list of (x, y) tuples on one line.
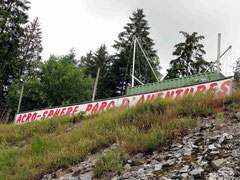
[(134, 55), (95, 85), (20, 99), (146, 58), (218, 55)]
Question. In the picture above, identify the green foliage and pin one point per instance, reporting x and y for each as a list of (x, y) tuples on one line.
[(219, 118), (197, 105), (189, 59), (58, 82), (7, 162), (113, 161), (46, 146), (64, 83), (122, 64), (13, 18), (31, 48), (39, 145), (100, 59)]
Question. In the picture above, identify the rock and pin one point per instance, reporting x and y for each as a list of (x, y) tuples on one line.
[(77, 172), (218, 162), (154, 162), (87, 176), (221, 140), (184, 169), (140, 171), (218, 145), (115, 178), (234, 153), (226, 172), (237, 115), (127, 167), (75, 178), (237, 174), (126, 175), (187, 152), (212, 176), (211, 147), (204, 164), (158, 167), (184, 175), (196, 172), (214, 152), (130, 161), (194, 165)]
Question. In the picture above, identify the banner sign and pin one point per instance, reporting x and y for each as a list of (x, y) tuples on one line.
[(221, 87)]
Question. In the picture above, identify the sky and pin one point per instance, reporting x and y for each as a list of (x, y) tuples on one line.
[(86, 24)]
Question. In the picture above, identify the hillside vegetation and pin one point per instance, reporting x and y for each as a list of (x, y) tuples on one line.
[(31, 150)]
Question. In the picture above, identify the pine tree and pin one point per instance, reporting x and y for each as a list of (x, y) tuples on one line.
[(189, 59), (13, 17), (122, 64), (99, 59), (31, 47)]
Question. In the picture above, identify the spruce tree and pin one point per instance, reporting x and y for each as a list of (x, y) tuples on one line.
[(122, 64), (189, 59), (31, 47), (13, 17), (99, 59)]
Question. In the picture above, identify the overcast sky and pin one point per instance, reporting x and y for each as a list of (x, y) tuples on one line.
[(86, 24)]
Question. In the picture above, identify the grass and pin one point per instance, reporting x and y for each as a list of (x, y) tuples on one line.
[(111, 162), (28, 151)]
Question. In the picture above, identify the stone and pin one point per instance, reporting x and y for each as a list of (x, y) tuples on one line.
[(234, 153), (211, 147), (184, 175), (237, 115), (75, 178), (214, 152), (130, 161), (184, 169), (187, 152), (194, 165), (221, 140), (158, 167), (115, 178), (140, 171), (218, 162), (204, 164), (197, 172), (127, 167), (87, 176), (212, 176), (154, 162), (77, 172), (126, 175)]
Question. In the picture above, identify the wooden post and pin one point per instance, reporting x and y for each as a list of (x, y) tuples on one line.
[(20, 99), (95, 85)]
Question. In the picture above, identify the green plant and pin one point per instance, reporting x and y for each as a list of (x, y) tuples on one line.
[(39, 145), (219, 118), (113, 161)]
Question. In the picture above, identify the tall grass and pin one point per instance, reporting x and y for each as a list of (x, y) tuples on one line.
[(143, 128)]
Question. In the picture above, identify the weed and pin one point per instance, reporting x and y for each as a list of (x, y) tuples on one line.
[(111, 162), (219, 118), (39, 145)]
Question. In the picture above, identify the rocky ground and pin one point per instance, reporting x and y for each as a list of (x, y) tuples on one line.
[(210, 151)]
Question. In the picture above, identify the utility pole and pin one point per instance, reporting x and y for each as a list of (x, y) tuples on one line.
[(95, 85), (134, 55), (218, 55), (20, 99)]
